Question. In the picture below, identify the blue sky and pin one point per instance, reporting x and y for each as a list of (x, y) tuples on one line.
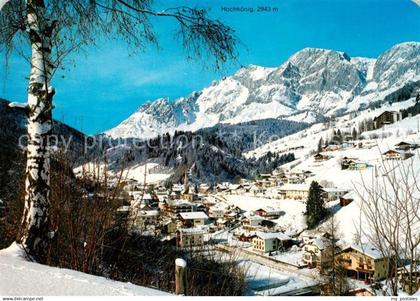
[(107, 84)]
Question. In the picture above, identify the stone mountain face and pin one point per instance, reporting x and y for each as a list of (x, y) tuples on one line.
[(313, 83), (397, 65)]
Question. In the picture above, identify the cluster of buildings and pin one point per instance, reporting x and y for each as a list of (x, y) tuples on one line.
[(192, 216), (185, 214), (291, 185), (361, 261), (402, 151)]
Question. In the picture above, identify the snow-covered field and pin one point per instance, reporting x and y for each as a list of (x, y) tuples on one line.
[(20, 277), (154, 173), (292, 257)]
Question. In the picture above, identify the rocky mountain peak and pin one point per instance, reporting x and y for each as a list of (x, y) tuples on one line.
[(318, 82)]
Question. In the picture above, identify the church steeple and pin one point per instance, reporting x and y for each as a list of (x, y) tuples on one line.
[(186, 184)]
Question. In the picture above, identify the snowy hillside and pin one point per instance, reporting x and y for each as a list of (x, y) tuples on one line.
[(367, 148), (306, 141), (311, 84), (19, 277)]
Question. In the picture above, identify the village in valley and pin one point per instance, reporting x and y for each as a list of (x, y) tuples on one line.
[(209, 148), (263, 221)]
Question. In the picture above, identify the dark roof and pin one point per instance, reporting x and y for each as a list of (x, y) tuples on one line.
[(403, 143), (349, 160), (390, 152), (383, 113)]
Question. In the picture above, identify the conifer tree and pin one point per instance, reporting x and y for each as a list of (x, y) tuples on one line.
[(354, 134), (320, 144), (315, 208), (339, 136)]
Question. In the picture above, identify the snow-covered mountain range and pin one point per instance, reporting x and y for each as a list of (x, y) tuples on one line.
[(311, 84)]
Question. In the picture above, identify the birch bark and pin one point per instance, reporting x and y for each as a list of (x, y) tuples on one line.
[(35, 223)]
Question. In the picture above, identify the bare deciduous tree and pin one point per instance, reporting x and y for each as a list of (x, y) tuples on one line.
[(335, 282), (55, 28), (390, 220)]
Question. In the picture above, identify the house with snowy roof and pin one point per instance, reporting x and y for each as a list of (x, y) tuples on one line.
[(243, 235), (266, 242), (308, 235), (177, 206), (359, 165), (193, 219), (221, 223), (387, 117), (332, 147), (217, 211), (146, 217), (233, 213), (333, 193), (268, 212), (294, 191), (396, 155), (252, 222), (392, 155), (295, 177), (204, 189), (403, 146), (320, 157), (236, 189), (257, 190), (190, 237), (169, 226), (177, 189), (346, 161), (190, 196), (318, 252), (364, 262)]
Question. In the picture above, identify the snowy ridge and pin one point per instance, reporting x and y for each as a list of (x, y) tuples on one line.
[(312, 83)]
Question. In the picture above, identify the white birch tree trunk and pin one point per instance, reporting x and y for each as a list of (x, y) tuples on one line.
[(35, 221)]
